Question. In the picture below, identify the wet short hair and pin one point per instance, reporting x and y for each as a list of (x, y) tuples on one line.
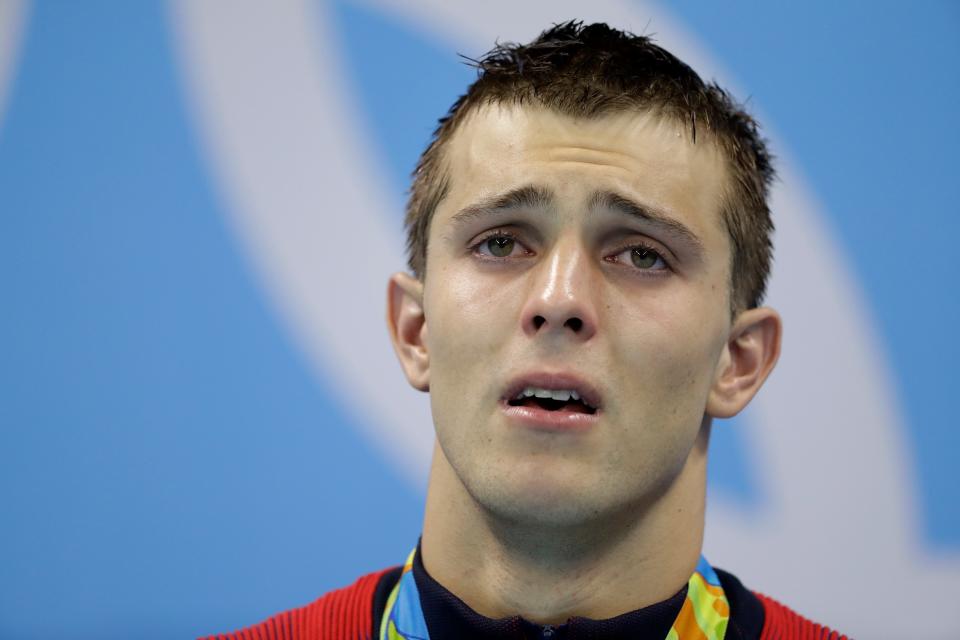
[(593, 70)]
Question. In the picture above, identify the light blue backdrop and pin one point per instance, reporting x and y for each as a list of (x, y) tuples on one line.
[(171, 464)]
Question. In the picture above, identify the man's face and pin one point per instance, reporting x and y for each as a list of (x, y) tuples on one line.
[(579, 254)]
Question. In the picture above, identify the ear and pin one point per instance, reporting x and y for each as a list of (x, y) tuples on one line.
[(747, 359), (407, 324)]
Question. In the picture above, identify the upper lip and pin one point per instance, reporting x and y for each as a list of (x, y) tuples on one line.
[(554, 380)]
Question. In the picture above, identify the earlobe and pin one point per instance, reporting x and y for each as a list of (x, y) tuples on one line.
[(407, 325), (749, 356)]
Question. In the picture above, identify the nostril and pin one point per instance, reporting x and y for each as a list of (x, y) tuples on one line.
[(574, 323), (538, 321)]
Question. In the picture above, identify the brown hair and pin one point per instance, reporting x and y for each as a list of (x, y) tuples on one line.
[(588, 71)]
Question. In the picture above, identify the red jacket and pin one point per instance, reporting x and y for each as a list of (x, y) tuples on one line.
[(347, 614)]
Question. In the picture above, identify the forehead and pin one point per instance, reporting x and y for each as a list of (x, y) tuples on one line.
[(644, 156)]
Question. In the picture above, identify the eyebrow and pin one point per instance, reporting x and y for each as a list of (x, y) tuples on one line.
[(538, 197), (526, 197), (621, 204)]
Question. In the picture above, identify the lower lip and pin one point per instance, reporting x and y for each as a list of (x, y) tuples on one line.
[(541, 419)]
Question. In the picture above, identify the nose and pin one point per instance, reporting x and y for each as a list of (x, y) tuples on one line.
[(561, 297)]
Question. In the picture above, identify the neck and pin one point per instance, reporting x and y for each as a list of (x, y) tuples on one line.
[(600, 569)]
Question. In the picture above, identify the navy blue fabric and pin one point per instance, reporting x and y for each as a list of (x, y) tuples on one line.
[(448, 616)]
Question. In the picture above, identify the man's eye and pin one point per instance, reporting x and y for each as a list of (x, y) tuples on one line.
[(497, 246), (643, 258)]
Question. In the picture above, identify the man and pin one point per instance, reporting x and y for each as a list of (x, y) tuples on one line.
[(589, 238)]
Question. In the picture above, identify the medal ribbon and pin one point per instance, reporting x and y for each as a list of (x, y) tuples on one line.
[(703, 616)]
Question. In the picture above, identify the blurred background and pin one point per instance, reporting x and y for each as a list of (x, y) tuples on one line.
[(201, 419)]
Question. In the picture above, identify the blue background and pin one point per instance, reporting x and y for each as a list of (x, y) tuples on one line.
[(170, 465)]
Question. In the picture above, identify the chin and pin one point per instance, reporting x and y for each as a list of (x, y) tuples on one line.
[(540, 500), (530, 512)]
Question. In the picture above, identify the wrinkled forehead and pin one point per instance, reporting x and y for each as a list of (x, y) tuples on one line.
[(643, 155)]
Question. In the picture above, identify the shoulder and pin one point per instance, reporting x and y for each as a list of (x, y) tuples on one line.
[(343, 613), (783, 623), (756, 616)]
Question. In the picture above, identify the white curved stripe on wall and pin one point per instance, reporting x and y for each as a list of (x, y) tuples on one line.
[(297, 172), (13, 22), (838, 537)]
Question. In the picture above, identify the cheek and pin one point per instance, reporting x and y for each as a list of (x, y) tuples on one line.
[(470, 322), (669, 348), (468, 316)]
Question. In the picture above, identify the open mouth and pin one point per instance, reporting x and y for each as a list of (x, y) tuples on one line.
[(552, 400)]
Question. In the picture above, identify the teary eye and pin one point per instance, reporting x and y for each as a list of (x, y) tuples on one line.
[(500, 246), (644, 258)]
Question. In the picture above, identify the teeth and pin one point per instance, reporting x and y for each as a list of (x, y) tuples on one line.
[(562, 395)]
